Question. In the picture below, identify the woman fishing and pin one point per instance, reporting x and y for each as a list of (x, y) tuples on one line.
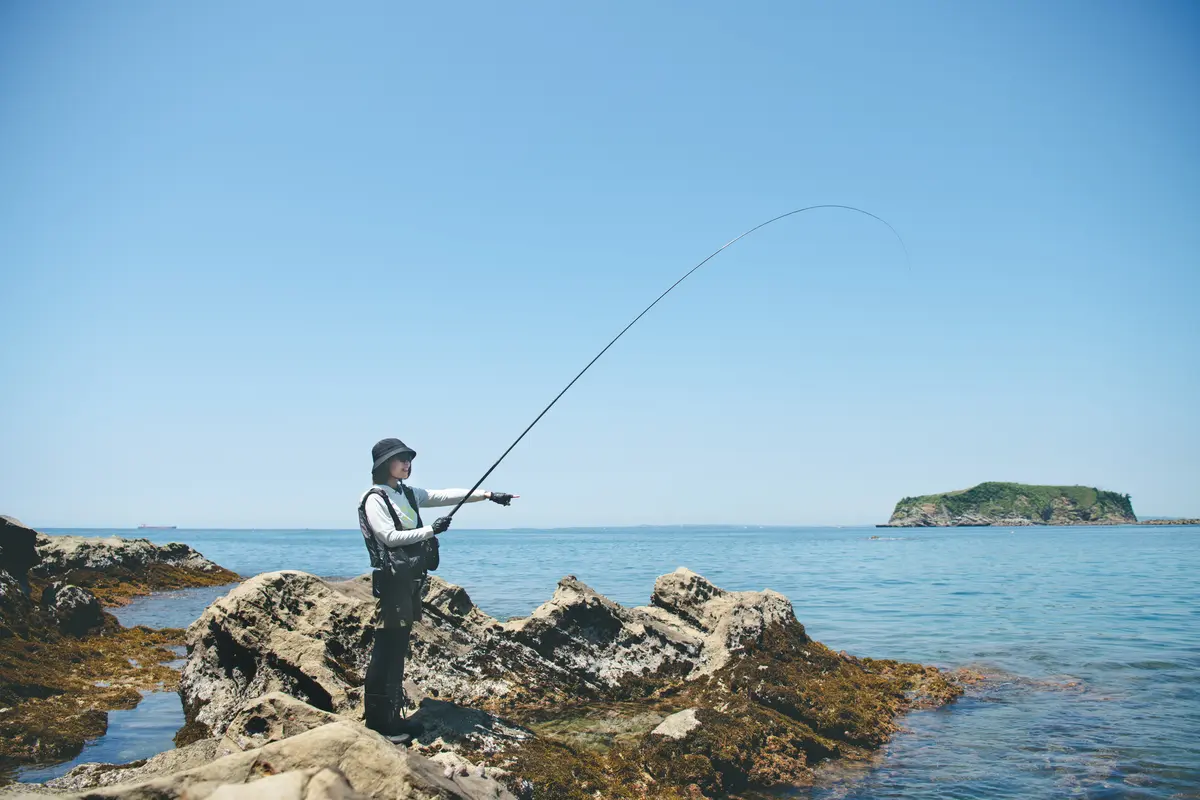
[(402, 552)]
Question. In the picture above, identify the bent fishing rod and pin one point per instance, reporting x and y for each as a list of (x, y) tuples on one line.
[(713, 255)]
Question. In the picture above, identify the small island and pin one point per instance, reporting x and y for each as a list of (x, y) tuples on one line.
[(1012, 504)]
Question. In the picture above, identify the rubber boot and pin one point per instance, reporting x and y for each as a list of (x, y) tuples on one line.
[(398, 724), (377, 713), (406, 726)]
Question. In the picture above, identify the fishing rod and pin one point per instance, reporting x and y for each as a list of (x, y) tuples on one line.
[(713, 255)]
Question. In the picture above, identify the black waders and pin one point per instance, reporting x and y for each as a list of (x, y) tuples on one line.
[(398, 581), (383, 696)]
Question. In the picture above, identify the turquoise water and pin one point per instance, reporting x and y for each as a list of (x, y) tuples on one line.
[(1091, 635)]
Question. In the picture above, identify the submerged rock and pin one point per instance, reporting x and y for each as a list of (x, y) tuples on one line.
[(702, 691)]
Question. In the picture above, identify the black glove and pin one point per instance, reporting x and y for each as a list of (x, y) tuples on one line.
[(503, 498), (440, 524)]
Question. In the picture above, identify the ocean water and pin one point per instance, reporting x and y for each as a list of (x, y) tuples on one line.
[(1091, 636)]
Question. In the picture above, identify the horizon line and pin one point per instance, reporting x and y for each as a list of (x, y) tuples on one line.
[(741, 526), (517, 528)]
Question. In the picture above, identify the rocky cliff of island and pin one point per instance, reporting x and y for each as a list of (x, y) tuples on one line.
[(1012, 504)]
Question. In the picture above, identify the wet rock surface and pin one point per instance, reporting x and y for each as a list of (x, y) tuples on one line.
[(573, 699)]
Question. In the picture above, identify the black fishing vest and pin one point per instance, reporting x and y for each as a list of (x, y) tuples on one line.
[(425, 554)]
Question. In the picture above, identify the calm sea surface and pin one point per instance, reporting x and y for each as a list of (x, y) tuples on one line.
[(1091, 635)]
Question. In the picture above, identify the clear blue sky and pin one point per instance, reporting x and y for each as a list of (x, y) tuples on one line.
[(239, 243)]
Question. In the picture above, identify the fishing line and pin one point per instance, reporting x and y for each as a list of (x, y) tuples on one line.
[(713, 255)]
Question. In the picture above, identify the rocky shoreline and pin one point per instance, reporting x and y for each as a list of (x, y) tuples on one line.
[(701, 693), (117, 570), (64, 661)]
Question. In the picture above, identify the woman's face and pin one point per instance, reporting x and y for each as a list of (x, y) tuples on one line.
[(401, 468)]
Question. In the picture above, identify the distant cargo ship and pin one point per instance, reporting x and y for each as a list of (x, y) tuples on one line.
[(156, 527)]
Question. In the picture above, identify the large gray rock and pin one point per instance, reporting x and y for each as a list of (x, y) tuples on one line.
[(62, 554), (716, 620), (293, 633), (301, 784), (74, 610), (353, 761), (278, 632), (263, 720), (275, 717)]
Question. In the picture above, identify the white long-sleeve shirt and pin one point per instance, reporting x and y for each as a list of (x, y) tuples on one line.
[(380, 518)]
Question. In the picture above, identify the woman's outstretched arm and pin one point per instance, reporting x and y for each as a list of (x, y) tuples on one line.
[(432, 498)]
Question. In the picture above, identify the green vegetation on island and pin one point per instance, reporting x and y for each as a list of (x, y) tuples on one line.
[(996, 503)]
